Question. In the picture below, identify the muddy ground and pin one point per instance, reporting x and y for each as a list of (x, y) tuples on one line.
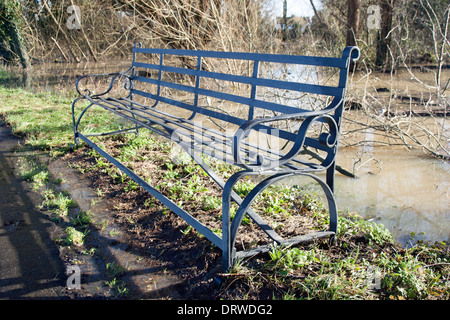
[(30, 264), (33, 264), (135, 248)]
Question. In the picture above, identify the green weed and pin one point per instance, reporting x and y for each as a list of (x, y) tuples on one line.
[(131, 186), (374, 233), (74, 237), (119, 286), (60, 202), (114, 269), (82, 219), (289, 259), (211, 203)]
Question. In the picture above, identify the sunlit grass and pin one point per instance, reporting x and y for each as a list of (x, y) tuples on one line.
[(44, 120)]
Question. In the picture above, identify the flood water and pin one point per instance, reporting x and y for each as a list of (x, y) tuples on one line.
[(404, 190)]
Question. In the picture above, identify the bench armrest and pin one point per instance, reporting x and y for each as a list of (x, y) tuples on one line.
[(115, 75), (263, 163)]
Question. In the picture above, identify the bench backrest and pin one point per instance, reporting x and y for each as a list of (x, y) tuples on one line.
[(270, 86)]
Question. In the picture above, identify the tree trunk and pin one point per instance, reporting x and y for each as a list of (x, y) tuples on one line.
[(353, 14), (284, 27), (19, 46), (384, 38), (11, 29)]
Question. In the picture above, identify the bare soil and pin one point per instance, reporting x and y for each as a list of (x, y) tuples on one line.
[(182, 264)]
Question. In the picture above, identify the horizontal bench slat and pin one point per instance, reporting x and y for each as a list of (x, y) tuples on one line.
[(310, 142), (221, 95), (176, 103), (271, 83), (277, 58)]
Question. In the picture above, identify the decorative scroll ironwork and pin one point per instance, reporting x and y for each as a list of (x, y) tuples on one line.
[(263, 164)]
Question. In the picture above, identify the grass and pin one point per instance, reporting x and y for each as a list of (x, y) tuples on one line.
[(365, 263), (74, 236), (58, 202), (380, 270), (44, 120)]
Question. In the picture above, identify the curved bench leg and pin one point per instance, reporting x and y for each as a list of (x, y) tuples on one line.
[(229, 232), (76, 122), (228, 250)]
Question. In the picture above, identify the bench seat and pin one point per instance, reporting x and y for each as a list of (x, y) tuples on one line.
[(185, 132)]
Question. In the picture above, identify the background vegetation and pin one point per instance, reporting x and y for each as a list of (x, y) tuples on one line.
[(406, 31), (394, 35)]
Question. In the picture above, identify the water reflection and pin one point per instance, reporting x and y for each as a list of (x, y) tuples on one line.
[(409, 194), (400, 189), (58, 76)]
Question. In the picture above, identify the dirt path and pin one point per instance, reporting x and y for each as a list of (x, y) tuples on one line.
[(30, 266), (145, 278), (33, 266)]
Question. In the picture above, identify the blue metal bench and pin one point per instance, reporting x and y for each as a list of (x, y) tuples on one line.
[(178, 95)]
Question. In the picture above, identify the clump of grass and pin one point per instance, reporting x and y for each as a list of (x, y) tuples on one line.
[(33, 172), (119, 286), (373, 233), (131, 186), (211, 203), (113, 269), (74, 236), (288, 259), (242, 188), (82, 219), (59, 203)]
